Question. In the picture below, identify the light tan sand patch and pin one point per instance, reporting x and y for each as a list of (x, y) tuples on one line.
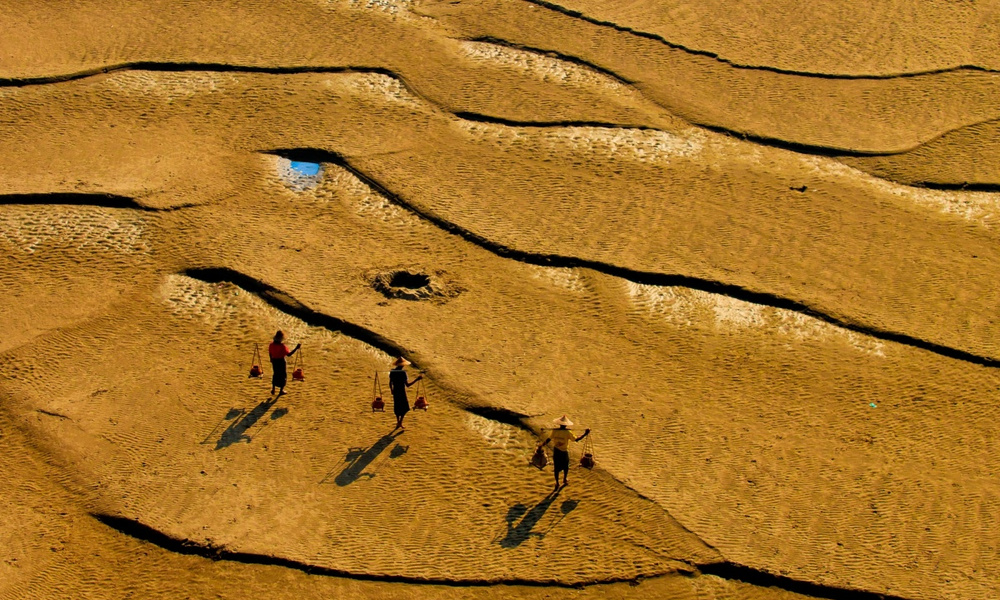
[(544, 68), (384, 86), (500, 435), (640, 145), (168, 86), (686, 307), (392, 7), (982, 208), (30, 229), (562, 278)]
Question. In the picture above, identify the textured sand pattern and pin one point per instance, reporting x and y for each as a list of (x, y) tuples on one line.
[(88, 230), (888, 38), (966, 158), (393, 7), (763, 275), (360, 534), (832, 114), (544, 68), (684, 306)]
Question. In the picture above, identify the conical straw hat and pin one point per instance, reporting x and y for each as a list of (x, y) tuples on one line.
[(400, 361), (563, 421)]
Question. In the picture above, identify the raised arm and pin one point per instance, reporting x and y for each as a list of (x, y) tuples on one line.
[(409, 383), (294, 350), (586, 432)]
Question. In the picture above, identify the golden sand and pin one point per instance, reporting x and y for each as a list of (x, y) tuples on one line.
[(761, 273)]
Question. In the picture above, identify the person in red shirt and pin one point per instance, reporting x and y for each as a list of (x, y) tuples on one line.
[(278, 351)]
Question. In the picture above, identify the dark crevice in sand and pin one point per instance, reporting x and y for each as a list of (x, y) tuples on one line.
[(958, 187), (479, 118), (755, 577), (800, 148), (209, 67), (642, 277), (81, 199), (183, 67), (827, 151), (145, 533), (501, 415), (783, 144), (724, 570), (836, 152), (52, 414), (287, 304), (715, 56)]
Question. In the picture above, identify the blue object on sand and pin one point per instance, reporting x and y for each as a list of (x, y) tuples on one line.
[(872, 404), (309, 169)]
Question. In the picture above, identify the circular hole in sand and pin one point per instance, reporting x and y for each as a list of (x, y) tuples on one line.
[(405, 279), (407, 284)]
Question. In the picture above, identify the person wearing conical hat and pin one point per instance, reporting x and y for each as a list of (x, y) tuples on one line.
[(397, 385), (560, 438)]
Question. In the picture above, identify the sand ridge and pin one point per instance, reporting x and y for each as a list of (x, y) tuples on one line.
[(864, 116), (780, 174), (890, 39), (787, 362), (554, 393)]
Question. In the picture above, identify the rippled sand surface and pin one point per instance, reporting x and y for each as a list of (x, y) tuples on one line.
[(752, 247)]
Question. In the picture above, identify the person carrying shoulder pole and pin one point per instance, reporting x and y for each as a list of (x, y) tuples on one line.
[(278, 351), (397, 385), (560, 439)]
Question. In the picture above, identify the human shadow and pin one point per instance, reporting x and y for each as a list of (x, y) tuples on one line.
[(565, 508), (358, 459), (229, 416), (236, 432), (518, 533)]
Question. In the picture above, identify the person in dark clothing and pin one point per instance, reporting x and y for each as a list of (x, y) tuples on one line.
[(397, 385), (560, 439), (278, 351)]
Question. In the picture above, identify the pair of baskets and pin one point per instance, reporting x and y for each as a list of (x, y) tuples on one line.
[(257, 372), (378, 404), (539, 459)]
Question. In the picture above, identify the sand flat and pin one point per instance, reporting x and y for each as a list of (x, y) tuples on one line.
[(786, 355), (823, 38)]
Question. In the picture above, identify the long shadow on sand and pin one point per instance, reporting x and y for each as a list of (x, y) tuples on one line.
[(358, 459), (519, 533), (236, 432)]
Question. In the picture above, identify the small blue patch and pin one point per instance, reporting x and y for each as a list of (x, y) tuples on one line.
[(873, 405), (309, 169)]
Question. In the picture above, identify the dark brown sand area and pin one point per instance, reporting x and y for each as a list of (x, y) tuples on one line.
[(751, 247)]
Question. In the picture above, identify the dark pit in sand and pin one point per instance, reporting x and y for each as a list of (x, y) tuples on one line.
[(413, 281), (409, 285)]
